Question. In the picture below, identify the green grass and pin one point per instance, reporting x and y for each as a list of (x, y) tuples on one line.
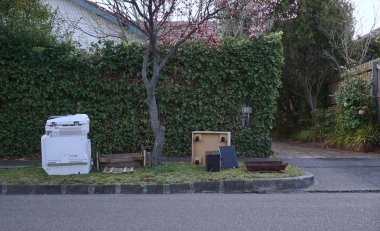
[(165, 173)]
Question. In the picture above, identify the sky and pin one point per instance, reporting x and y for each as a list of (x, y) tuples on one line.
[(365, 12)]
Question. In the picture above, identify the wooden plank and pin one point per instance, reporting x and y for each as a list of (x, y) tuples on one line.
[(122, 165), (266, 168), (264, 161), (118, 170), (121, 160)]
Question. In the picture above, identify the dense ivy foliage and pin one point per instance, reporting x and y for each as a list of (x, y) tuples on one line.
[(202, 88)]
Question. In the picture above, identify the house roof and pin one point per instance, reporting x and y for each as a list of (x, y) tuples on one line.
[(373, 33), (172, 29), (376, 32), (108, 15)]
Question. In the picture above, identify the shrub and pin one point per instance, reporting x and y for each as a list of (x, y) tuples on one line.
[(350, 124), (323, 124), (374, 48), (354, 103), (202, 88), (356, 139)]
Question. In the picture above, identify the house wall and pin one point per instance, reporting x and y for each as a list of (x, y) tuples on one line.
[(86, 26)]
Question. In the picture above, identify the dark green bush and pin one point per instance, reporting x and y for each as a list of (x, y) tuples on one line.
[(202, 88), (355, 121), (350, 124), (354, 103), (374, 48)]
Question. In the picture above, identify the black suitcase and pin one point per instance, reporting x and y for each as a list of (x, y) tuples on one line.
[(213, 162)]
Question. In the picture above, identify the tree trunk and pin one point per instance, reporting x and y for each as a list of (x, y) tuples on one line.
[(158, 129), (311, 100)]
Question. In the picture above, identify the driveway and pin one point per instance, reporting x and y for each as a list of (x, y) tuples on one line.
[(334, 170)]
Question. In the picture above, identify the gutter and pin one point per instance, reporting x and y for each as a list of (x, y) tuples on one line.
[(107, 16)]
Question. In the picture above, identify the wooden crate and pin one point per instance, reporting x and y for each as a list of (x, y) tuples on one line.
[(207, 141)]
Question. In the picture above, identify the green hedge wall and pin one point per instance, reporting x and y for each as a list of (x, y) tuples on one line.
[(202, 88)]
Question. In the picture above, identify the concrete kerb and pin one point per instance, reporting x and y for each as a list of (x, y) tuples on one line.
[(278, 184), (261, 185)]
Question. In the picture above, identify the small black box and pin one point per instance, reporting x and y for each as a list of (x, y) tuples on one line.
[(213, 161)]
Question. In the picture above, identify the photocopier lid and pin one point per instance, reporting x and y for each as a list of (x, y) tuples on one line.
[(80, 119)]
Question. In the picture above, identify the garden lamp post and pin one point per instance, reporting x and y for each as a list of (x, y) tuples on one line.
[(246, 112)]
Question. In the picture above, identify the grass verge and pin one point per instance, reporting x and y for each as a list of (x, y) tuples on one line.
[(165, 173)]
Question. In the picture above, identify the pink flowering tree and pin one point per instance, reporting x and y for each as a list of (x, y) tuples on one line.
[(170, 23), (250, 17)]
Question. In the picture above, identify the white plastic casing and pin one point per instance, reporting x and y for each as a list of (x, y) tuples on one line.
[(65, 147)]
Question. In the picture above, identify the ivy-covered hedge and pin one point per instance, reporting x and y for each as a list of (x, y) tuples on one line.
[(202, 88)]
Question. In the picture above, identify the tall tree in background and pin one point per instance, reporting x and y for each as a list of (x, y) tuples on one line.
[(250, 17), (305, 43), (29, 20), (345, 52)]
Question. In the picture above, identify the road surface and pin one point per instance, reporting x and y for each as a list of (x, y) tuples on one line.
[(293, 212)]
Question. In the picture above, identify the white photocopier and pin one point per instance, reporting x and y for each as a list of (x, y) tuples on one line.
[(65, 147)]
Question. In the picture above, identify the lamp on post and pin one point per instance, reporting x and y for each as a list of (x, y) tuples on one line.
[(246, 112)]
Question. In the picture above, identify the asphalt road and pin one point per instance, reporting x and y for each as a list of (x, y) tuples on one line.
[(303, 212), (334, 170), (341, 174)]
